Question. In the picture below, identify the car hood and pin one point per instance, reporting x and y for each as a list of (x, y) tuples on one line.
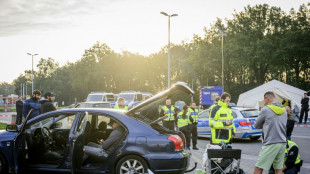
[(154, 101), (5, 135)]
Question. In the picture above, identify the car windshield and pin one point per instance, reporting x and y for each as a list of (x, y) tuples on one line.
[(98, 105), (204, 114), (249, 113), (128, 97), (94, 98)]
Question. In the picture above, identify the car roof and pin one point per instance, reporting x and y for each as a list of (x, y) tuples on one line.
[(243, 109), (96, 102), (100, 93), (117, 114)]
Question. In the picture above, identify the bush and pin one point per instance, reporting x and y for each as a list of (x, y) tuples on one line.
[(2, 126)]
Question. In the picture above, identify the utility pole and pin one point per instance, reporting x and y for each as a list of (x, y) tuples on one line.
[(169, 16), (222, 33)]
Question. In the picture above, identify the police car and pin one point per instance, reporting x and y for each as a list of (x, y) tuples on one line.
[(244, 119)]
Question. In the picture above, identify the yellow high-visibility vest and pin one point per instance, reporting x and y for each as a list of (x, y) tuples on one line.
[(170, 113), (117, 107)]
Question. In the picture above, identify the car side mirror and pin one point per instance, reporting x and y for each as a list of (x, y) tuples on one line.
[(11, 128)]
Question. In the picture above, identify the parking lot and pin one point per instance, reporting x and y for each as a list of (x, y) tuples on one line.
[(250, 149)]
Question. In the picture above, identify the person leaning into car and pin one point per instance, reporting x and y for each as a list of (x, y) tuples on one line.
[(221, 121), (169, 111), (103, 149)]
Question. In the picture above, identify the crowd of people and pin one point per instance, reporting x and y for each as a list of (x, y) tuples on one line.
[(278, 153), (35, 104)]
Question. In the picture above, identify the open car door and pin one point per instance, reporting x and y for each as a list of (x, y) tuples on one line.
[(78, 142), (20, 146)]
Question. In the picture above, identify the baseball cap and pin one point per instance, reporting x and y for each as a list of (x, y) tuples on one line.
[(49, 94)]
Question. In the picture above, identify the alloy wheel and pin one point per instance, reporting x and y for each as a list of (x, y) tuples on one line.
[(131, 166)]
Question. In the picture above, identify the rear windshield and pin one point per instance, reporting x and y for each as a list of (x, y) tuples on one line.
[(249, 113), (99, 105), (128, 97), (94, 98)]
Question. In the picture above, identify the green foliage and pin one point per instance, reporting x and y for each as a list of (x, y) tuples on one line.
[(2, 126), (262, 43)]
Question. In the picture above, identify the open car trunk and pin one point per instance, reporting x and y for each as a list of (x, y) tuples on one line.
[(148, 111)]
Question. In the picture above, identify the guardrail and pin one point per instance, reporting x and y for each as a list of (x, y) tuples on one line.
[(7, 118)]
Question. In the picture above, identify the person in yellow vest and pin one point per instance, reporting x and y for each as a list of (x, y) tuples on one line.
[(216, 100), (121, 104), (292, 162), (169, 111), (221, 121), (286, 102), (183, 124), (193, 121)]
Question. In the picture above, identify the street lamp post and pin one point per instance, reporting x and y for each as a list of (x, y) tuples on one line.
[(32, 68), (169, 16), (222, 33)]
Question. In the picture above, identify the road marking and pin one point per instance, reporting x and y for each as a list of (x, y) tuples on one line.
[(306, 137), (196, 158)]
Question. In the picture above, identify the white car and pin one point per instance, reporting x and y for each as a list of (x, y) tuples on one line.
[(244, 119)]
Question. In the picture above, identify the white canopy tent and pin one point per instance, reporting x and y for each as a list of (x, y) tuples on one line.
[(255, 97)]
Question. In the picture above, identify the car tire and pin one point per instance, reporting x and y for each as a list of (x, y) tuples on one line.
[(3, 165), (255, 138), (140, 166)]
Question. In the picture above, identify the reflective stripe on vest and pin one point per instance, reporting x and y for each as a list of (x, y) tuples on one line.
[(182, 122), (193, 114), (290, 145), (170, 113), (223, 121)]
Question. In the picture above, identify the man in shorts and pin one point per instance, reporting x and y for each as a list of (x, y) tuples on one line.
[(272, 119)]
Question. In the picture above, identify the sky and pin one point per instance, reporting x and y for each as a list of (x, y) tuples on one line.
[(64, 29)]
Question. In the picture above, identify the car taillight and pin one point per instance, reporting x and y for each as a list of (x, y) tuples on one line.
[(177, 141), (245, 123), (183, 137)]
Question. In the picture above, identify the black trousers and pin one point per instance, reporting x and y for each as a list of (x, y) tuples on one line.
[(19, 118), (169, 124), (186, 130), (304, 110), (294, 170), (194, 134)]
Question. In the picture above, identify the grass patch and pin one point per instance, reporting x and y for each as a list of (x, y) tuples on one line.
[(2, 126)]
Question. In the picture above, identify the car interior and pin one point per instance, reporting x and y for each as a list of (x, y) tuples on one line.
[(46, 141)]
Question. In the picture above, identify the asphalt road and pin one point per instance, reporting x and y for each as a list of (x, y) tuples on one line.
[(250, 150)]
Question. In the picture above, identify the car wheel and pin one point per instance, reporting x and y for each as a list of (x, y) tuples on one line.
[(3, 165), (131, 164), (255, 138)]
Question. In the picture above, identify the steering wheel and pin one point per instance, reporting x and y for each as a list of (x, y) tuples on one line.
[(46, 135)]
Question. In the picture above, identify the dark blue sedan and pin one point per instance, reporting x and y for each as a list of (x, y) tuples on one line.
[(55, 141)]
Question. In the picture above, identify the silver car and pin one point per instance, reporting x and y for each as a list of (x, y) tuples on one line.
[(244, 119)]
